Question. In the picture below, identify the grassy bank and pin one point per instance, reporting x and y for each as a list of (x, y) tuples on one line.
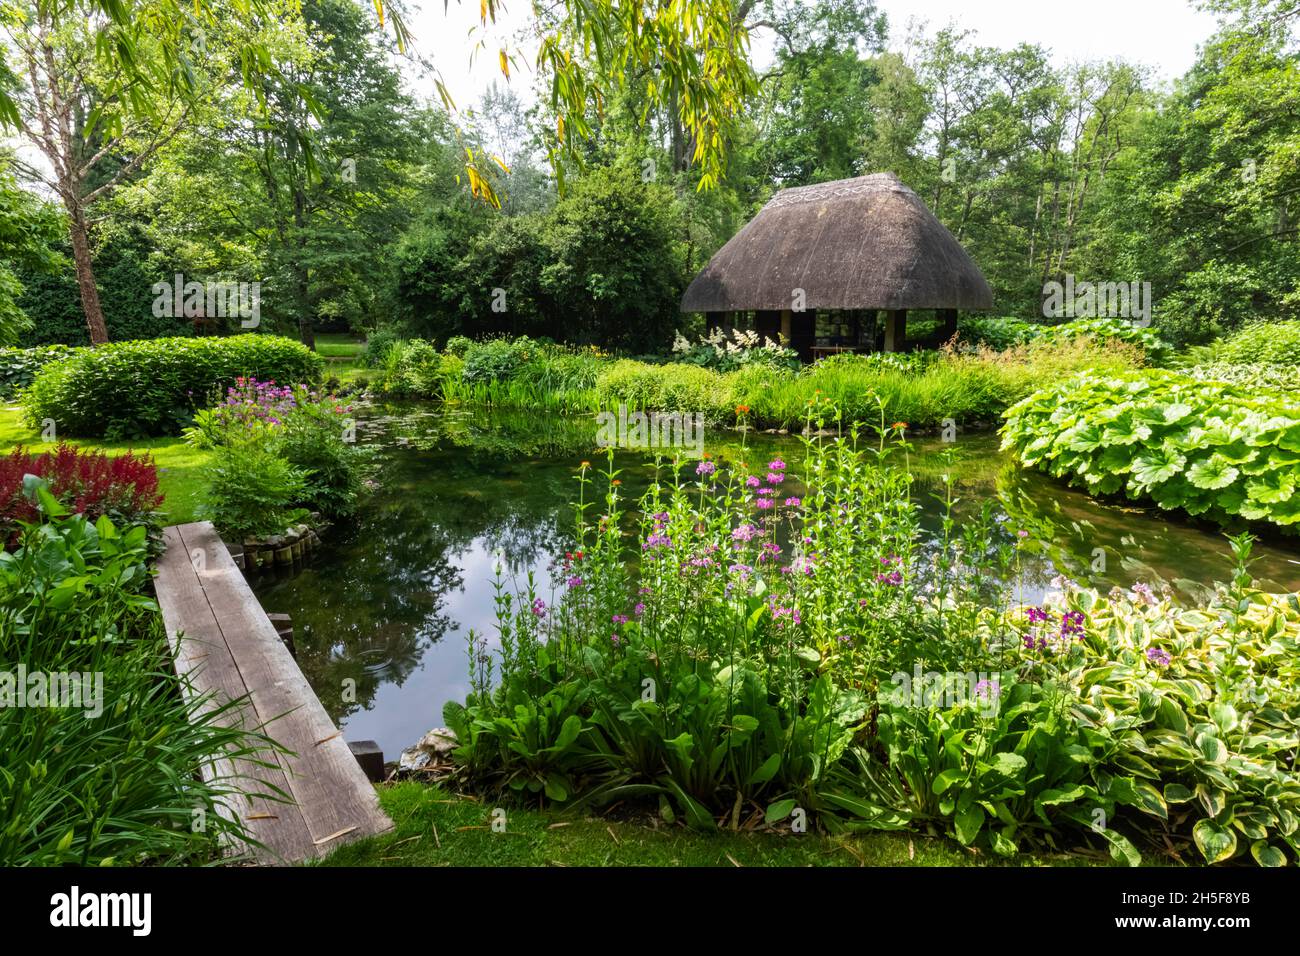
[(178, 463), (435, 827), (922, 389)]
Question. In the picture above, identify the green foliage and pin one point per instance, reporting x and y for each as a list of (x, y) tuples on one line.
[(603, 265), (1153, 346), (1256, 344), (153, 387), (997, 334), (669, 388), (252, 491), (29, 229), (1278, 378), (18, 367), (120, 779), (125, 280), (378, 344), (1206, 448), (317, 438)]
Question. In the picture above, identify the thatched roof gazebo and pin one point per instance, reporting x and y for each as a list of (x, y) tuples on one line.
[(845, 251)]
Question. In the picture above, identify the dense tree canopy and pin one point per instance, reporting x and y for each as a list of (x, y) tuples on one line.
[(315, 173)]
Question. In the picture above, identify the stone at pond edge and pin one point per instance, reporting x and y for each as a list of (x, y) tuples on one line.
[(434, 747)]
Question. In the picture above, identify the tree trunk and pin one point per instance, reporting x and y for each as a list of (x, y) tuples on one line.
[(306, 328), (86, 277)]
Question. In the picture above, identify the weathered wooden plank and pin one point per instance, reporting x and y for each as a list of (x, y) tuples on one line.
[(230, 647), (204, 659), (324, 777)]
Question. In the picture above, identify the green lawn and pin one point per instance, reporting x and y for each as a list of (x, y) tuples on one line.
[(338, 345), (434, 827), (178, 463), (340, 350)]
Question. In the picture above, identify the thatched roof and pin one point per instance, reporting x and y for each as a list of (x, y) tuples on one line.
[(864, 243)]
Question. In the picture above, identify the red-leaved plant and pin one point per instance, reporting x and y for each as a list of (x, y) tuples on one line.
[(123, 487)]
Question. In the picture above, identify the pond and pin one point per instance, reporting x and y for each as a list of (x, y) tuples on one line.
[(381, 613)]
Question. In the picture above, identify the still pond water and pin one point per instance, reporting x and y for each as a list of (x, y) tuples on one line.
[(389, 600)]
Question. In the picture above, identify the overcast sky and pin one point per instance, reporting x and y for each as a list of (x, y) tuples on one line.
[(1161, 33)]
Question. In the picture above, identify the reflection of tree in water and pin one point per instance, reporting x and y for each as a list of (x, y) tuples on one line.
[(368, 607)]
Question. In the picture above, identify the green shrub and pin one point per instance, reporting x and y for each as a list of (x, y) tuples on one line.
[(997, 334), (412, 368), (378, 344), (1257, 343), (253, 491), (154, 386), (1206, 448), (668, 388), (316, 437), (1156, 349), (496, 360), (458, 345), (18, 367)]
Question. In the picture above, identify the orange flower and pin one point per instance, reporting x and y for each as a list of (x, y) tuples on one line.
[(585, 464), (742, 409), (617, 481), (899, 425)]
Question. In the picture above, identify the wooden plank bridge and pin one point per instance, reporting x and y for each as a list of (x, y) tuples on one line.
[(223, 640)]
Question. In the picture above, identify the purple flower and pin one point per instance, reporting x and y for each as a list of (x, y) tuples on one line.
[(539, 607), (1159, 657), (752, 481), (776, 465), (746, 532), (575, 582), (1072, 624), (795, 503), (705, 468), (893, 577), (775, 478), (657, 540), (639, 609), (618, 619), (763, 504), (987, 689), (1037, 615)]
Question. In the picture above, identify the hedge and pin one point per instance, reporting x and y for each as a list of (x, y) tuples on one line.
[(153, 386)]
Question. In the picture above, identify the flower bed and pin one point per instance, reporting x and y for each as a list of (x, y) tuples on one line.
[(782, 649)]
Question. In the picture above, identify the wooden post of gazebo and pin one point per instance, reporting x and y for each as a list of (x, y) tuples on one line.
[(895, 330), (947, 324)]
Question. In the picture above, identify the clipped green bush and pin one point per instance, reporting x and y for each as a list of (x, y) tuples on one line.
[(1205, 448), (154, 386)]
